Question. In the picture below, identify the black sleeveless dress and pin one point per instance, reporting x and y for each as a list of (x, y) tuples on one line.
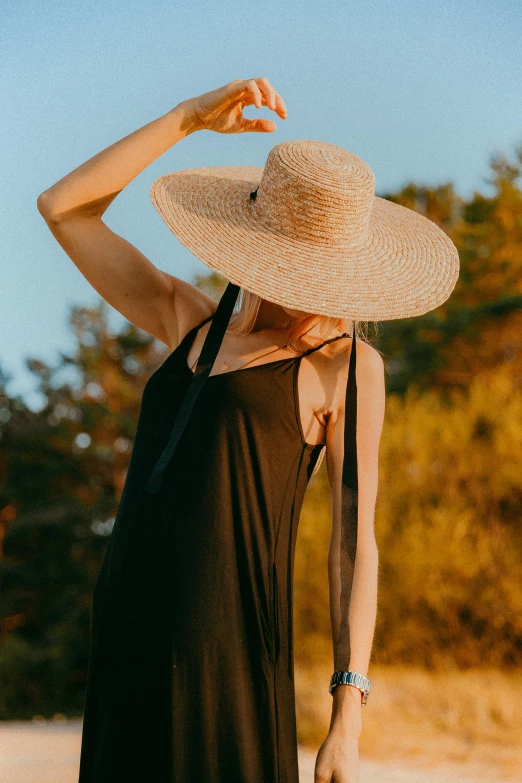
[(191, 664)]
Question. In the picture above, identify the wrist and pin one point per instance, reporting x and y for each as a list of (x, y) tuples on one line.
[(346, 697), (184, 119), (346, 711)]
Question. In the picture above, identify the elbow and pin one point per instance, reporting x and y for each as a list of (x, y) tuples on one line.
[(47, 209), (44, 206)]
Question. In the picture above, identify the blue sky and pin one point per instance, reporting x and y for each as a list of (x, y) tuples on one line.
[(422, 91)]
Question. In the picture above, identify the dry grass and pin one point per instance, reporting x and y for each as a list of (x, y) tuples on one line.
[(469, 720)]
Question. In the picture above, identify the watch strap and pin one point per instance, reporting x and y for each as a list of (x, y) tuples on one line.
[(351, 678)]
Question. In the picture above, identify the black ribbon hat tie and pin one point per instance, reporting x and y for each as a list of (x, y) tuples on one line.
[(207, 357)]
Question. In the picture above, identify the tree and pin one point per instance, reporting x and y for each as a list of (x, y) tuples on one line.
[(62, 473)]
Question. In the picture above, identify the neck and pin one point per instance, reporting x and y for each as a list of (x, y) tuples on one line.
[(272, 316)]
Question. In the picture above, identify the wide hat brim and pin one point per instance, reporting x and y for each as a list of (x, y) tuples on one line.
[(406, 266)]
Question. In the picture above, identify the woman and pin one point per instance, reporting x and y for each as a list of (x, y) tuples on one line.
[(191, 668)]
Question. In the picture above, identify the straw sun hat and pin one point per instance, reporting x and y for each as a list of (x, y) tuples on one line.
[(307, 232)]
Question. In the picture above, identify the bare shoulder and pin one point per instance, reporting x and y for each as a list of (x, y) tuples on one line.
[(189, 307), (369, 360), (369, 373), (371, 398), (323, 378)]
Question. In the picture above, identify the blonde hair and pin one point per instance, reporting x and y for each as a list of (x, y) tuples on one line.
[(243, 319)]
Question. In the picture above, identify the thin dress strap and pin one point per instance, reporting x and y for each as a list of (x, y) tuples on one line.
[(208, 354), (331, 340), (277, 348)]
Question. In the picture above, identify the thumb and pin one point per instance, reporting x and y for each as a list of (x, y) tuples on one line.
[(257, 126)]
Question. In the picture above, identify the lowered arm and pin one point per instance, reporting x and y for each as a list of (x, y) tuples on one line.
[(353, 555)]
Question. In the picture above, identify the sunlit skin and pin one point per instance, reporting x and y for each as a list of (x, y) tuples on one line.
[(167, 307)]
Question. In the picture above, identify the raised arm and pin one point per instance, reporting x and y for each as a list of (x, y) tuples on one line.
[(339, 754), (155, 301)]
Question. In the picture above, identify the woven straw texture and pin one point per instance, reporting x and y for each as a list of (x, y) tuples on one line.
[(315, 238)]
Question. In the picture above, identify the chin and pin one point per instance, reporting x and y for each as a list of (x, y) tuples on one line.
[(296, 313)]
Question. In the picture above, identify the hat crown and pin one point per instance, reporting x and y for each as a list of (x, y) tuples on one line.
[(317, 193)]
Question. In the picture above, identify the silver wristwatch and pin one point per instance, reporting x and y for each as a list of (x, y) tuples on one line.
[(351, 678)]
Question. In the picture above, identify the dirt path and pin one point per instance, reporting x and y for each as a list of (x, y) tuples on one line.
[(48, 751)]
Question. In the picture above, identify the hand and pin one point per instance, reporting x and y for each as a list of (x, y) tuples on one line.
[(221, 110), (338, 759)]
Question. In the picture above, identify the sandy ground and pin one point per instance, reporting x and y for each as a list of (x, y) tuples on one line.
[(447, 726), (48, 752)]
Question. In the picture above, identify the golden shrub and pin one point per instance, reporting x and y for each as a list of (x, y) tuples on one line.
[(448, 527)]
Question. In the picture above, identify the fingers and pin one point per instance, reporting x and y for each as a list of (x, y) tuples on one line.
[(280, 107), (257, 126), (252, 88), (272, 98), (246, 91), (260, 92), (268, 91)]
